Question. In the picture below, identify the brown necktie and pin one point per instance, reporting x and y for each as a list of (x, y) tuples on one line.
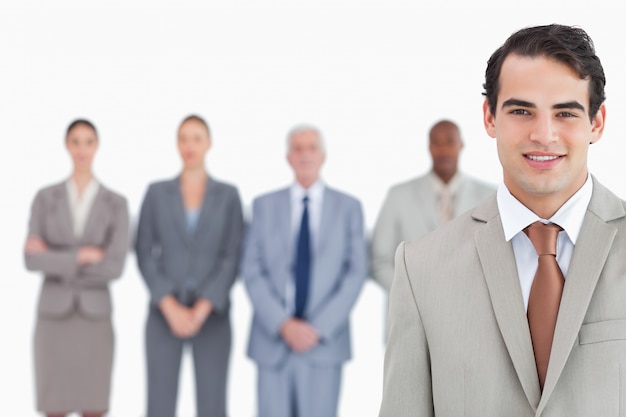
[(545, 293)]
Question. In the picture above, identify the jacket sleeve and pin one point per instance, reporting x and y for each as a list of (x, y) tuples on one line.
[(54, 262), (269, 310), (332, 315), (407, 382), (384, 243), (148, 250), (115, 250), (217, 288)]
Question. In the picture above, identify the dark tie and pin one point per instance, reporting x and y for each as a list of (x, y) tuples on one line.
[(545, 293), (303, 261)]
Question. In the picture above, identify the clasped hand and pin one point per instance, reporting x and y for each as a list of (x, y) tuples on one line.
[(185, 322), (299, 335)]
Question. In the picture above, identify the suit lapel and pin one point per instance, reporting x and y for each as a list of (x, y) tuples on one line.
[(427, 201), (174, 201), (326, 219), (498, 263), (209, 203), (588, 259), (63, 214), (282, 221)]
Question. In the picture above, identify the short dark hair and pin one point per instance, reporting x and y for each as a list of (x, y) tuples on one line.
[(79, 122), (568, 45), (196, 118)]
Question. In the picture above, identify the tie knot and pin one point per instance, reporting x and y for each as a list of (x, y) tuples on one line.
[(543, 237), (305, 200)]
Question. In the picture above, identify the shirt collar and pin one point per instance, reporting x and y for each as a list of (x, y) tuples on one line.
[(515, 216), (314, 192), (453, 185), (89, 190)]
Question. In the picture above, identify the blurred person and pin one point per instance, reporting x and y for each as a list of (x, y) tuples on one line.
[(78, 237), (304, 265), (188, 246), (518, 307), (413, 208)]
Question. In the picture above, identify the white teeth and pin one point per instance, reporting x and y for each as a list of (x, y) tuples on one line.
[(542, 157)]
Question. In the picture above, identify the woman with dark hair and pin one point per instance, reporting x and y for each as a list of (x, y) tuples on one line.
[(78, 238), (188, 243)]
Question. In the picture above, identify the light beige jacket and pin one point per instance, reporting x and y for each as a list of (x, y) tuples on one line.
[(459, 343)]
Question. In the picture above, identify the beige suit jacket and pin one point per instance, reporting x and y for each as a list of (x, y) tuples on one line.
[(68, 286), (459, 343), (409, 212)]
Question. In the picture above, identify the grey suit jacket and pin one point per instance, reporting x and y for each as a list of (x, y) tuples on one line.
[(338, 273), (410, 211), (167, 254), (67, 285), (459, 343)]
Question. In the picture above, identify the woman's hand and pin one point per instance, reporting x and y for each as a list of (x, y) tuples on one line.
[(35, 244), (202, 309), (90, 255), (180, 319)]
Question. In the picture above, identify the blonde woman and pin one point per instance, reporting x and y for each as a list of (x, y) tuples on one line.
[(188, 243)]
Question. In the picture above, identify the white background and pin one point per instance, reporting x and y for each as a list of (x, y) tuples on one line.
[(373, 75)]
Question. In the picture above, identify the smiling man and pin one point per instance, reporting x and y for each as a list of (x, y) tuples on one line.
[(529, 316)]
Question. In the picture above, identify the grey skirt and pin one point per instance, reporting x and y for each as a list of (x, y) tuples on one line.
[(73, 361)]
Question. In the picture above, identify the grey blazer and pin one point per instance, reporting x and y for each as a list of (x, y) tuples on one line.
[(338, 273), (167, 254), (68, 286), (410, 211), (459, 343)]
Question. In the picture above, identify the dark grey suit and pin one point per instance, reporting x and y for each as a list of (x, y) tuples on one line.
[(168, 255)]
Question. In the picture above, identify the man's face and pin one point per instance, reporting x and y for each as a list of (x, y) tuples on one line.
[(542, 129), (445, 146), (306, 156)]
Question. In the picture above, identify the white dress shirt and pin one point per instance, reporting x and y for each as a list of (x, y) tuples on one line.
[(515, 217), (80, 205)]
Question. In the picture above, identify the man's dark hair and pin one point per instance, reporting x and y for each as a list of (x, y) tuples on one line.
[(568, 45)]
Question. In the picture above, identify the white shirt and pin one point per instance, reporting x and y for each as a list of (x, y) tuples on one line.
[(515, 217), (80, 206), (316, 198)]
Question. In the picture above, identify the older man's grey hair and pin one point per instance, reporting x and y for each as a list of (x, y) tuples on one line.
[(305, 128)]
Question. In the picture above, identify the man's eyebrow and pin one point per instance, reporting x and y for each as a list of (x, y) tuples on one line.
[(517, 102), (569, 105), (522, 103)]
